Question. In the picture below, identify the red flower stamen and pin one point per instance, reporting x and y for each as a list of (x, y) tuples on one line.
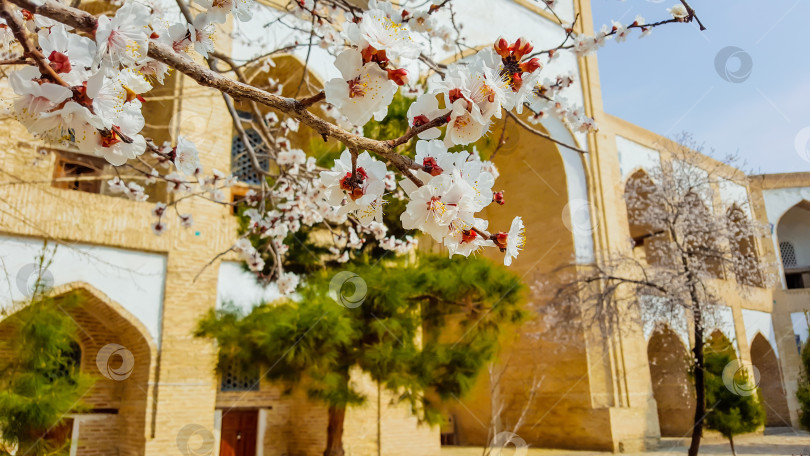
[(356, 89)]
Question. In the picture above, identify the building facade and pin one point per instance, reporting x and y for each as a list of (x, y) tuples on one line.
[(158, 393)]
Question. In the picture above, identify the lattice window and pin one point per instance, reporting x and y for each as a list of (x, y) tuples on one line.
[(241, 164), (788, 254), (235, 379)]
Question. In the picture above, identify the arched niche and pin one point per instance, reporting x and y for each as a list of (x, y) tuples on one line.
[(700, 238), (793, 241), (545, 184), (744, 248), (118, 351), (672, 388), (649, 240), (774, 398)]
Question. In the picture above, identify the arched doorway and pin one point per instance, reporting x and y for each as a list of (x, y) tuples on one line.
[(116, 349), (672, 388), (770, 382)]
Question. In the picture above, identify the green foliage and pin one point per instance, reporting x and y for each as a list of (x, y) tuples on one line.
[(41, 381), (731, 413), (803, 393), (421, 332)]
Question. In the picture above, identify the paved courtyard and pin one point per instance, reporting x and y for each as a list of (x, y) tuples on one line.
[(776, 442)]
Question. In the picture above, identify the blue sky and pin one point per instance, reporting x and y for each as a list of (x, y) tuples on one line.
[(668, 82)]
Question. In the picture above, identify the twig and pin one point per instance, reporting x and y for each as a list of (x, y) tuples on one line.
[(693, 15), (543, 135)]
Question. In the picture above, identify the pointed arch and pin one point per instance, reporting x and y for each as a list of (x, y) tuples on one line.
[(793, 245), (649, 241), (774, 398), (118, 350), (672, 388), (704, 241), (744, 248), (639, 189)]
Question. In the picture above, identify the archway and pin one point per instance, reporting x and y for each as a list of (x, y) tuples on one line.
[(672, 388), (541, 186), (770, 382), (117, 350), (794, 245), (744, 248), (649, 239)]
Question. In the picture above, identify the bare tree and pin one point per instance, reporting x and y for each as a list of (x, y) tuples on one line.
[(686, 241), (501, 431)]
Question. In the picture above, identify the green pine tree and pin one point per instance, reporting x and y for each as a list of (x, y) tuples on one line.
[(423, 333), (731, 413), (40, 382), (803, 393)]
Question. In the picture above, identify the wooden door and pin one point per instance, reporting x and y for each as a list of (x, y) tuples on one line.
[(239, 429)]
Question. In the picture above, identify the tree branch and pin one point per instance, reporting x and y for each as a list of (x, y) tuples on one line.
[(18, 29)]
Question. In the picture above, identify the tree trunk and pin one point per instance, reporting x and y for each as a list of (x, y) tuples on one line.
[(700, 387), (731, 442), (334, 431)]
